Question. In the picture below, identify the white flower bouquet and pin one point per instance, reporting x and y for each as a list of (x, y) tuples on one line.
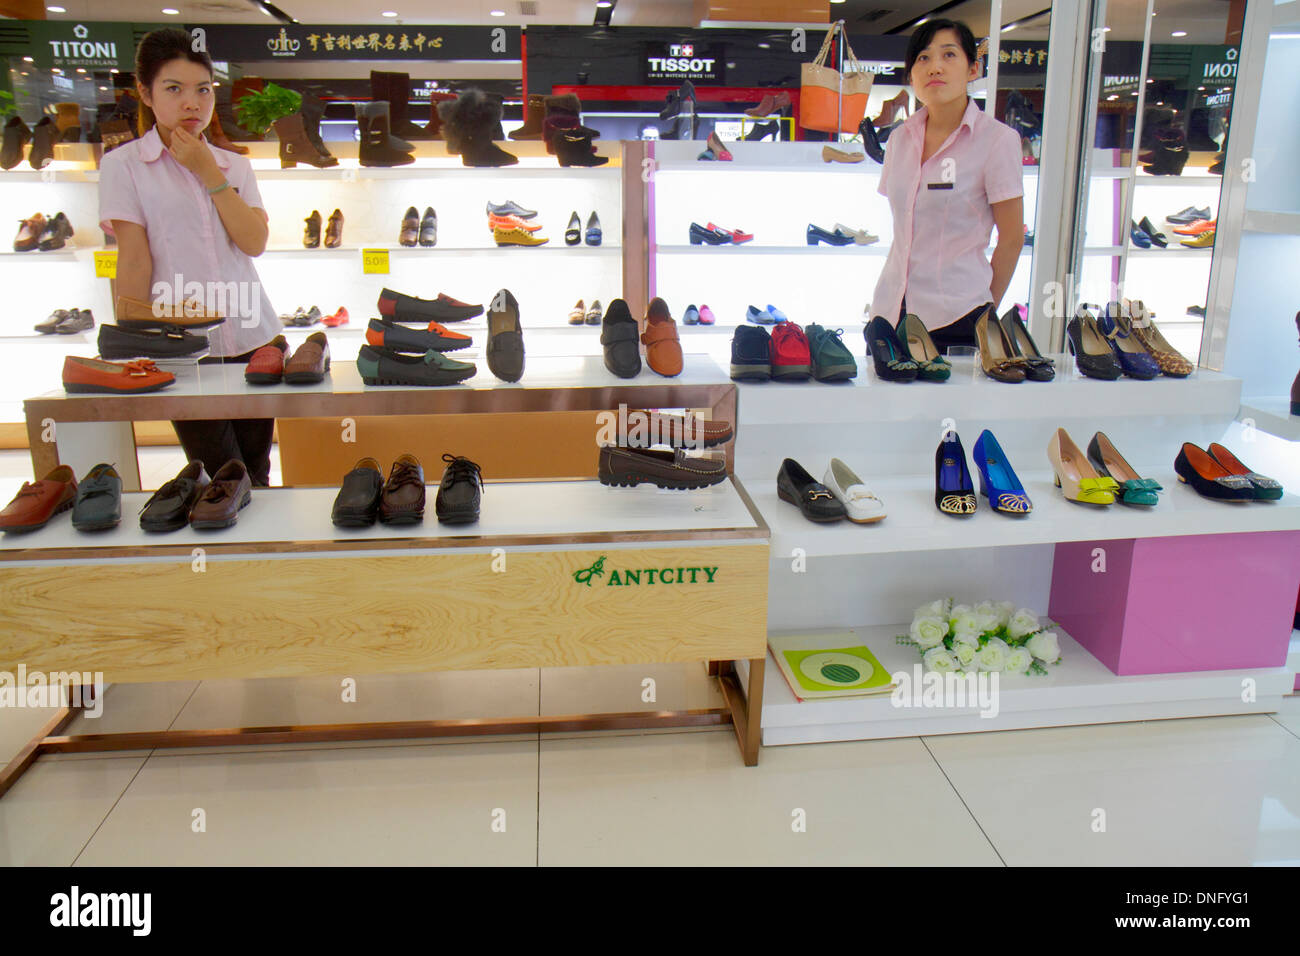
[(987, 637)]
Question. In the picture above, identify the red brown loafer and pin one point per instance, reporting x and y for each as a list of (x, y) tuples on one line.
[(310, 362), (642, 428), (625, 467), (266, 365), (663, 350), (95, 376), (229, 490), (39, 501)]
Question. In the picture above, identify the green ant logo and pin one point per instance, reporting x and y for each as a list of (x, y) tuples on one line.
[(585, 575)]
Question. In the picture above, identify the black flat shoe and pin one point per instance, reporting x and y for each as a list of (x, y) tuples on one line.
[(1208, 478), (621, 338), (887, 353), (168, 509), (811, 497), (505, 341), (573, 232), (1156, 235), (1089, 347), (357, 503), (1264, 489), (953, 492), (117, 343), (459, 492)]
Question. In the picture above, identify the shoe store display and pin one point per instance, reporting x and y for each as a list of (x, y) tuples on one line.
[(312, 111), (760, 131), (769, 104), (534, 115), (383, 366), (918, 347), (334, 321), (98, 504), (402, 498), (814, 500), (460, 491), (117, 343), (641, 428), (303, 318), (407, 308), (56, 233), (996, 358), (384, 333), (334, 230), (168, 508), (296, 147), (1133, 489), (861, 505), (94, 376), (1202, 241), (395, 89), (470, 122), (1153, 233), (719, 151), (309, 363), (1210, 479), (514, 222), (751, 354), (593, 234), (595, 314), (1074, 474), (887, 352), (1189, 215), (517, 237), (429, 227), (1022, 346), (39, 501), (1196, 310), (311, 233), (833, 154), (505, 342), (378, 146), (628, 467), (691, 316), (860, 236), (1195, 228), (44, 135), (77, 320), (16, 137), (700, 235), (816, 234), (663, 350), (1138, 237), (57, 317), (357, 503), (831, 359), (791, 353), (872, 141), (998, 482), (759, 316), (1135, 361), (953, 492), (579, 314), (510, 208), (266, 364), (1139, 323), (228, 493), (1264, 489), (619, 336), (738, 236), (706, 315), (573, 232), (574, 149), (1092, 352), (409, 235), (29, 233)]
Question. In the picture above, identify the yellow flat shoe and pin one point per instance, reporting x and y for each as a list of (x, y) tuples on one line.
[(517, 237), (1203, 241)]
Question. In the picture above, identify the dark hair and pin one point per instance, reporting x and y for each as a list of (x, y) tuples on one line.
[(157, 48), (924, 35)]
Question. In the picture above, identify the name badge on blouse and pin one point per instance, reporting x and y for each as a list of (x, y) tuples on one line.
[(939, 185)]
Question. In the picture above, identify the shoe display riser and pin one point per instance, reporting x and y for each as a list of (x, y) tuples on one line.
[(1262, 345), (1081, 690)]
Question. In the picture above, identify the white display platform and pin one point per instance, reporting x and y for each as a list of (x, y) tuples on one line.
[(1273, 415), (1079, 690), (300, 517)]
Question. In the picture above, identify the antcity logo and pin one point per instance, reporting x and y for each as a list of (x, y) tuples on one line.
[(626, 578)]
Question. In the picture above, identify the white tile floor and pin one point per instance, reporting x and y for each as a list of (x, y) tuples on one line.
[(1213, 791)]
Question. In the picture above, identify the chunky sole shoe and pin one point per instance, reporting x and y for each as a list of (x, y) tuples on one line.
[(83, 389), (794, 373), (834, 373), (214, 523), (307, 378), (751, 373), (626, 468), (452, 379), (410, 517)]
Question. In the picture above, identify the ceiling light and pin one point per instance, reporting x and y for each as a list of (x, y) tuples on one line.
[(1105, 29), (837, 1), (1179, 33), (56, 10), (1008, 28), (496, 13), (761, 46), (113, 70), (28, 59), (55, 70), (1200, 89), (81, 69), (1113, 96), (103, 89), (604, 3), (389, 13), (171, 11)]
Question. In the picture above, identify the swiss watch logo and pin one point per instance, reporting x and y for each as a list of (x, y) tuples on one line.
[(80, 32)]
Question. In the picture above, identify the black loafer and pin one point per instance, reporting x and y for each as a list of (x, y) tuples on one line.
[(401, 338), (573, 232), (505, 343), (117, 343), (459, 492), (429, 227), (795, 485), (380, 366), (98, 505), (620, 337), (357, 503), (169, 508), (407, 308)]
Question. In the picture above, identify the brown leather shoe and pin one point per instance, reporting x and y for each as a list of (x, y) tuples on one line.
[(402, 501), (625, 467), (37, 502), (29, 233), (138, 314), (663, 350), (334, 230), (310, 362), (230, 490), (641, 428), (410, 234)]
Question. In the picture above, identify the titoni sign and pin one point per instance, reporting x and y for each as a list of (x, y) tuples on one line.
[(92, 46)]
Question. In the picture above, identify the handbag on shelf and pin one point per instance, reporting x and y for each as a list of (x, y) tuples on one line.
[(828, 100)]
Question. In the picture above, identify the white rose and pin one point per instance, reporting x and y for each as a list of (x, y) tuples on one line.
[(962, 618), (929, 631), (1044, 647), (965, 635), (1005, 610), (987, 617), (993, 655), (939, 659), (965, 653), (937, 608), (1023, 622), (1019, 660)]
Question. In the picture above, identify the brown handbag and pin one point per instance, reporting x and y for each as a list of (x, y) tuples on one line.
[(830, 101)]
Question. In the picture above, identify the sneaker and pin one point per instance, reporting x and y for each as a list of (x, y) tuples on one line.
[(790, 354), (751, 354), (831, 359), (1188, 215)]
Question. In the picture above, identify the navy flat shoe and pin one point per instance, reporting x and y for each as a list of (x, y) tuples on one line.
[(998, 483), (702, 236), (817, 234)]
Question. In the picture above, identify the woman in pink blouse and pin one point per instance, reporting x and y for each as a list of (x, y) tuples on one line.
[(189, 220), (951, 174)]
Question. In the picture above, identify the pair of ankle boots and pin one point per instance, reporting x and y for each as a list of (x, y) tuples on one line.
[(567, 139), (471, 123), (299, 135)]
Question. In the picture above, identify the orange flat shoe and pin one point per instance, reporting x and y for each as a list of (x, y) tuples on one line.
[(512, 222), (95, 376), (1195, 228)]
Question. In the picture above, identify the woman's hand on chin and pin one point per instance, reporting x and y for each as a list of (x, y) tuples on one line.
[(190, 151)]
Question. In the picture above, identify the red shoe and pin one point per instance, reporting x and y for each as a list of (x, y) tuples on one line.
[(736, 235), (266, 365), (338, 318), (1196, 228), (791, 357), (39, 501), (95, 376)]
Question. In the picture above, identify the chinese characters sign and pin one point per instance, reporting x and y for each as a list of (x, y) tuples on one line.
[(242, 42)]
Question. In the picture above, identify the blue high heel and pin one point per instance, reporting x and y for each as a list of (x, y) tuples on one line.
[(998, 483), (953, 494), (1134, 360)]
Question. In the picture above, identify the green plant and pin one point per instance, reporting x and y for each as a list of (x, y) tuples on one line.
[(7, 105), (257, 111)]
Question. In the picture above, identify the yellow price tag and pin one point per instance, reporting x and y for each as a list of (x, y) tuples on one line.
[(106, 264), (374, 261)]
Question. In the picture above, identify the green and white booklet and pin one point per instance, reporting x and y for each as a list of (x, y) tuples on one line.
[(829, 669)]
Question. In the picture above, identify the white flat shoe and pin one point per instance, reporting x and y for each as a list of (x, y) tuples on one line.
[(858, 500), (860, 236)]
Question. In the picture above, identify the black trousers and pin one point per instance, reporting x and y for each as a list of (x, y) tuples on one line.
[(959, 333), (216, 441)]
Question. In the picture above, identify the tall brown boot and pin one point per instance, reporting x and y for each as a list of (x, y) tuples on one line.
[(67, 120), (534, 115), (395, 88), (295, 147), (218, 138)]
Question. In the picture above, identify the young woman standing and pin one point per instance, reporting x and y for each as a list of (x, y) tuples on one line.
[(951, 173), (180, 207)]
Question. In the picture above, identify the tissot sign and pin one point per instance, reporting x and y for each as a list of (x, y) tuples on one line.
[(675, 62), (90, 45)]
